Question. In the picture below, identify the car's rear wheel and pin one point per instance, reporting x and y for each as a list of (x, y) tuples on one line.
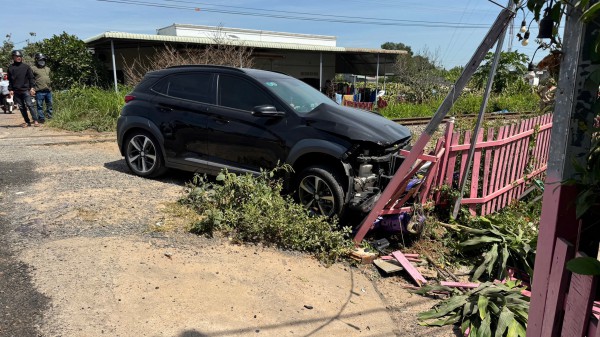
[(320, 191), (143, 155)]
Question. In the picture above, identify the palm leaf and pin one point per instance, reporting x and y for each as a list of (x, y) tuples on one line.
[(482, 303), (444, 308), (505, 319)]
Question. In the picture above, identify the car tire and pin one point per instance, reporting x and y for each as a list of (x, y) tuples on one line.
[(320, 191), (143, 155)]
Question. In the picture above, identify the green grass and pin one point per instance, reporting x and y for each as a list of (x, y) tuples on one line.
[(466, 104), (88, 108)]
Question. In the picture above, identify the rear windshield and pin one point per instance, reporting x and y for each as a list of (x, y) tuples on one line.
[(300, 96)]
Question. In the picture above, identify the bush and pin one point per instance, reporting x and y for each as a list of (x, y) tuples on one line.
[(252, 209), (82, 108)]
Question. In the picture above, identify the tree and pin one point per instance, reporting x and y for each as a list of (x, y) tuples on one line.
[(221, 52), (421, 73), (510, 72), (397, 46), (5, 53), (70, 60)]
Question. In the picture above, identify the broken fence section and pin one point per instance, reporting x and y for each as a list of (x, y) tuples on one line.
[(505, 160)]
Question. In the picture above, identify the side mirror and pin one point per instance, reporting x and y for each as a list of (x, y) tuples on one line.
[(266, 111)]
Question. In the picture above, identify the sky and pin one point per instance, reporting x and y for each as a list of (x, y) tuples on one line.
[(450, 31)]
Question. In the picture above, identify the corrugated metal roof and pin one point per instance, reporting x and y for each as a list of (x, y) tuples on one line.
[(252, 44)]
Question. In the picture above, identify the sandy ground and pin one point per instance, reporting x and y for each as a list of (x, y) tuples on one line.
[(78, 258)]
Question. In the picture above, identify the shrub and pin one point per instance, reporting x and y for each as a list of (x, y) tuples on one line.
[(252, 209), (82, 108)]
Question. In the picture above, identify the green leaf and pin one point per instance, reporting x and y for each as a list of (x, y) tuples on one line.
[(584, 266), (482, 303), (590, 12), (220, 177), (487, 264), (505, 319), (485, 329), (480, 240), (493, 257), (444, 307)]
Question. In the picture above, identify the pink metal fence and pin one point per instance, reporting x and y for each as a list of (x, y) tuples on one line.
[(505, 159)]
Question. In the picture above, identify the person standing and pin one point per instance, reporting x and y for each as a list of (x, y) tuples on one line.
[(42, 89), (20, 86)]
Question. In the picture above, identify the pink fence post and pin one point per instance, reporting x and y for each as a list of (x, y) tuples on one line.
[(579, 305), (475, 172), (444, 160), (497, 172), (464, 156), (520, 159), (557, 287), (452, 159), (485, 209)]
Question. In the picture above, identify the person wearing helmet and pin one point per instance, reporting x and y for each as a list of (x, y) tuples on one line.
[(20, 85), (42, 89)]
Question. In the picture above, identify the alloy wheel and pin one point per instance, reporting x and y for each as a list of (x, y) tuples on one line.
[(141, 154), (316, 195)]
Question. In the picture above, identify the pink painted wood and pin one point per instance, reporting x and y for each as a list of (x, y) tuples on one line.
[(557, 287), (451, 160), (464, 156), (447, 140), (579, 305), (520, 158), (498, 163), (485, 209), (475, 172), (412, 271), (470, 285)]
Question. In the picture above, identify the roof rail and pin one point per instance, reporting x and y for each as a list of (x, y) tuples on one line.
[(206, 66)]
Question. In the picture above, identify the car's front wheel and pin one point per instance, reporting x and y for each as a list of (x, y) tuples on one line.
[(320, 191), (143, 155)]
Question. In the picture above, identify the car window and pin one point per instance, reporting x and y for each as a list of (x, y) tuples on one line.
[(191, 86), (238, 93), (300, 96)]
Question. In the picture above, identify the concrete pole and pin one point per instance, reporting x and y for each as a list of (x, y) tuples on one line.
[(114, 64), (377, 75), (321, 71)]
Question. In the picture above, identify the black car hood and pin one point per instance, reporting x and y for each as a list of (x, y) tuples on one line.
[(356, 124)]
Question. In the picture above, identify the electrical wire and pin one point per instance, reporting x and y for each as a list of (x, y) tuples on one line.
[(322, 18)]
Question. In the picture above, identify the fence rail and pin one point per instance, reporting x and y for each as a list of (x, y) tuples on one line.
[(505, 159)]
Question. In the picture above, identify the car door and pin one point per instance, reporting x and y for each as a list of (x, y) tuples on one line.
[(236, 138), (183, 103)]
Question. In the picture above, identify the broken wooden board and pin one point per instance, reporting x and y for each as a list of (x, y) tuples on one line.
[(390, 266), (469, 285), (412, 271), (362, 256)]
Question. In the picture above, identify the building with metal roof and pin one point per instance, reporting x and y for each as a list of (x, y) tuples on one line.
[(312, 58)]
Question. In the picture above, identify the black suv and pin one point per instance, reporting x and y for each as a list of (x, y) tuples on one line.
[(208, 118)]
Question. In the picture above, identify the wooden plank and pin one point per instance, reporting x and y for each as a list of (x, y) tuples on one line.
[(520, 154), (475, 172), (470, 285), (579, 305), (508, 164), (497, 164), (444, 160), (388, 266), (432, 172), (464, 155), (593, 330), (451, 161), (557, 287), (486, 172), (412, 271)]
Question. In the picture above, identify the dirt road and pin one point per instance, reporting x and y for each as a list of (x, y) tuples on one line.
[(77, 258)]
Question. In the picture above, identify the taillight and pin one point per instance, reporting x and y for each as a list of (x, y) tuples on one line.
[(129, 98)]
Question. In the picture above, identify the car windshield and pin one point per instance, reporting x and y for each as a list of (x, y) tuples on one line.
[(300, 96)]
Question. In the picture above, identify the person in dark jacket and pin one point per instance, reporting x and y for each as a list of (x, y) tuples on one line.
[(42, 89), (20, 86)]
